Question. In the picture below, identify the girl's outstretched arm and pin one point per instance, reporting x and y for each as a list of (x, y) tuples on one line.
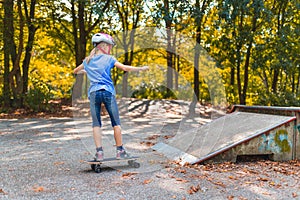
[(79, 69), (130, 68)]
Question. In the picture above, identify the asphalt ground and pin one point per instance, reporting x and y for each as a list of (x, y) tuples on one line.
[(44, 159)]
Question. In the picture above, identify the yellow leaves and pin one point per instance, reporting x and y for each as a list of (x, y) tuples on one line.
[(59, 78)]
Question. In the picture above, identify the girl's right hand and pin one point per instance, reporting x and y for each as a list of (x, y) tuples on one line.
[(144, 68)]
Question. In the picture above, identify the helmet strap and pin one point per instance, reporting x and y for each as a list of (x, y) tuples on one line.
[(101, 49)]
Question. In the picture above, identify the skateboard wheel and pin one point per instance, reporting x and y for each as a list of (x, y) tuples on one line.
[(136, 165), (93, 167), (130, 163), (97, 169)]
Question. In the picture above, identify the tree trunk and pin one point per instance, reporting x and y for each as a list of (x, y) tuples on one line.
[(200, 10), (238, 74), (246, 75), (8, 34), (28, 51), (169, 62), (80, 44), (168, 24)]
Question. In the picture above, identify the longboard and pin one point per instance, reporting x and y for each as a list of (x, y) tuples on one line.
[(96, 165)]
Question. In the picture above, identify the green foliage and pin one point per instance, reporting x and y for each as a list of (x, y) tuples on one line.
[(38, 96), (278, 99), (227, 32)]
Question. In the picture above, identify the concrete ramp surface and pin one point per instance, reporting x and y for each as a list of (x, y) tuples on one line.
[(269, 133)]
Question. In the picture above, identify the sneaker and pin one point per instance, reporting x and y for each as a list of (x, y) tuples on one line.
[(99, 156), (122, 154)]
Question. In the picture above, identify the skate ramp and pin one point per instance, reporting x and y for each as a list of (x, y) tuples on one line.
[(220, 135)]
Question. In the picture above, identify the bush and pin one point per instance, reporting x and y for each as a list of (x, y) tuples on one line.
[(38, 96), (280, 99)]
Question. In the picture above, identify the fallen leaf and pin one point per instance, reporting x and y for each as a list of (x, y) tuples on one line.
[(153, 137), (181, 180), (262, 179), (272, 183), (230, 197), (266, 193), (147, 181), (2, 191), (183, 171), (232, 177), (128, 174), (194, 189), (58, 163), (168, 136), (294, 195), (148, 143), (220, 184), (38, 189)]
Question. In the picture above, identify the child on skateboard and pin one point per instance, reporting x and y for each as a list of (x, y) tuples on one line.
[(98, 67)]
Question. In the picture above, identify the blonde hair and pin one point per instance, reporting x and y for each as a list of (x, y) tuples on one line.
[(95, 50)]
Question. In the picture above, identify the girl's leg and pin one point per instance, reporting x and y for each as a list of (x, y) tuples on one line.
[(113, 111), (95, 108), (97, 133), (121, 152), (118, 135)]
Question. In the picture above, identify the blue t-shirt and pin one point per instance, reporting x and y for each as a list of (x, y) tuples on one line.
[(98, 71)]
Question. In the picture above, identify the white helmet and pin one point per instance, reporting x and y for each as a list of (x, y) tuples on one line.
[(102, 37)]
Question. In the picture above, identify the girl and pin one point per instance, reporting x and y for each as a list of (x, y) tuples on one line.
[(98, 67)]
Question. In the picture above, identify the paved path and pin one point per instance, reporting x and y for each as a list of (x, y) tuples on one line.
[(43, 159)]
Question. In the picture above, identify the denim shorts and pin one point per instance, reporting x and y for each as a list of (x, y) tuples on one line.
[(110, 103)]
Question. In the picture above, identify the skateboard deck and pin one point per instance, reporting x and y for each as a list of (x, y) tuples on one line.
[(96, 165)]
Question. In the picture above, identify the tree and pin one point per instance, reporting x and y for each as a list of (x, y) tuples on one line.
[(8, 32), (239, 23), (130, 14), (169, 14), (198, 11), (276, 60), (16, 80)]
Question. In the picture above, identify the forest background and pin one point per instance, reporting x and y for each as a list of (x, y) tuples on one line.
[(253, 46)]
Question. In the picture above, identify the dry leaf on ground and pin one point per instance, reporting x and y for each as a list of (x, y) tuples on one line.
[(193, 189), (147, 181), (128, 174), (38, 189)]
